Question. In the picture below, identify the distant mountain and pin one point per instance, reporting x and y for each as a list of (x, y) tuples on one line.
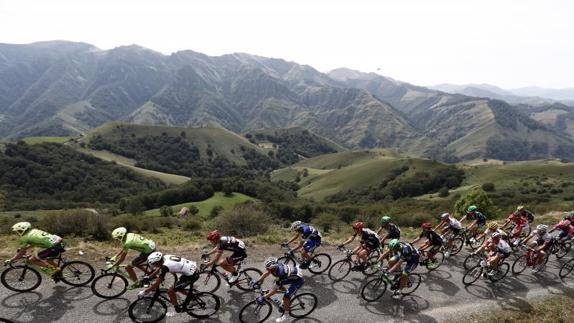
[(493, 92), (566, 94), (62, 88)]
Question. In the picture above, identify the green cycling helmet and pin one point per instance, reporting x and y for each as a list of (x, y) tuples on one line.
[(385, 219), (394, 244), (471, 208)]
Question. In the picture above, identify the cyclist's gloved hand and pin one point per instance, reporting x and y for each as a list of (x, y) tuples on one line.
[(255, 285), (340, 246), (260, 300), (290, 253), (109, 265), (204, 256), (113, 259), (141, 293), (7, 262), (284, 244)]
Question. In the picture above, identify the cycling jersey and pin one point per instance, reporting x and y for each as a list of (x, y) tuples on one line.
[(288, 275), (39, 238), (369, 239), (454, 224), (479, 217), (309, 232), (178, 265), (489, 232), (527, 214), (518, 219), (138, 243), (409, 254), (432, 236), (503, 247), (540, 240), (231, 244), (394, 231)]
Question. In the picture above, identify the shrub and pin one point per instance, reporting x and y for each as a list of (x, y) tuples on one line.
[(166, 211), (488, 187), (243, 221), (476, 197), (443, 192), (193, 210), (77, 223), (192, 225), (215, 211), (326, 222)]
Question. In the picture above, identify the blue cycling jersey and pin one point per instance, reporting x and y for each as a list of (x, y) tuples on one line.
[(309, 232), (406, 251), (285, 273)]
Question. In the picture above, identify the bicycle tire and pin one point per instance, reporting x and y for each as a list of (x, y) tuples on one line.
[(439, 258), (342, 267), (254, 308), (472, 275), (144, 303), (22, 270), (208, 282), (323, 264), (376, 284), (521, 261), (246, 277), (495, 278), (567, 268), (563, 251), (72, 270), (413, 283), (477, 242), (169, 281), (286, 260), (372, 266), (120, 281), (471, 261), (457, 245), (298, 301), (201, 299)]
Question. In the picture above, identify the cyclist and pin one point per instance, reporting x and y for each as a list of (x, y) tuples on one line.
[(478, 220), (51, 244), (525, 213), (284, 275), (434, 241), (311, 240), (401, 252), (542, 242), (393, 231), (449, 224), (519, 220), (132, 241), (566, 229), (164, 264), (226, 243), (499, 250), (370, 241), (491, 228)]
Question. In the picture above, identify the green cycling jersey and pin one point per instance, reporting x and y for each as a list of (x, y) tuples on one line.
[(39, 238), (138, 243)]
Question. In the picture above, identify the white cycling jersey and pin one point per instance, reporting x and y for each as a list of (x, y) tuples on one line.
[(454, 223), (489, 232), (503, 246), (178, 265)]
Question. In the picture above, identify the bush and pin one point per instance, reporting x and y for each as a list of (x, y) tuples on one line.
[(215, 211), (193, 210), (326, 222), (243, 221), (192, 225), (488, 187), (443, 192), (76, 223), (166, 211), (476, 197)]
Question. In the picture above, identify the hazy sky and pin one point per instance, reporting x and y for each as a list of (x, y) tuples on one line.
[(502, 42)]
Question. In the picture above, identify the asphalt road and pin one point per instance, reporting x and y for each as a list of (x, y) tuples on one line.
[(441, 296)]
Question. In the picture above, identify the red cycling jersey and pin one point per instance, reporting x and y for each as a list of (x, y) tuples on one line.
[(518, 219)]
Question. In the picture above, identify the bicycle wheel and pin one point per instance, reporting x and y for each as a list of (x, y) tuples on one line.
[(567, 268), (169, 281), (340, 270), (147, 309), (110, 285), (476, 243), (500, 272), (246, 277), (434, 264), (21, 278), (472, 275), (373, 289), (208, 282), (456, 247), (320, 263), (413, 283), (302, 305), (286, 260), (255, 313), (519, 265), (203, 305), (563, 250), (471, 261), (77, 273), (372, 267)]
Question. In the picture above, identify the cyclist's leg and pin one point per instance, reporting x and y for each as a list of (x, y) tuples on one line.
[(137, 262), (182, 287), (293, 287), (309, 247), (229, 263), (410, 266), (42, 259)]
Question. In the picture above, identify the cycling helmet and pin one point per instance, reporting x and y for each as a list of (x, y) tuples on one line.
[(154, 257), (519, 208), (444, 215), (394, 244), (21, 227), (542, 228), (119, 233), (385, 219), (296, 225), (471, 208), (426, 226), (496, 235), (358, 226), (214, 235), (493, 225), (271, 263)]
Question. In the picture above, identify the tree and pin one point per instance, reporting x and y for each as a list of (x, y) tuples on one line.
[(488, 187), (326, 222), (193, 210), (166, 211), (476, 197), (443, 192), (2, 200), (135, 207)]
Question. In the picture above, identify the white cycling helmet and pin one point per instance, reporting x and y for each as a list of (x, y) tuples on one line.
[(21, 227), (444, 215), (119, 233), (542, 228), (154, 257), (496, 235), (295, 225), (271, 263)]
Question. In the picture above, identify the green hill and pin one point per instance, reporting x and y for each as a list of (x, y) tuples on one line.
[(205, 207)]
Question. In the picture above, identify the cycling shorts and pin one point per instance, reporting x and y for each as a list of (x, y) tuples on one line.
[(184, 281), (411, 264), (236, 257), (52, 252), (294, 285), (311, 244), (141, 259)]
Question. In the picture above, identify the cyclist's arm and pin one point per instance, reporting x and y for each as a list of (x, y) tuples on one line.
[(462, 219), (526, 239), (439, 225), (295, 236), (348, 240), (505, 223), (482, 246), (21, 252), (215, 259), (121, 256), (379, 231), (262, 278), (155, 284), (544, 245), (384, 255), (396, 266), (271, 292), (416, 240), (384, 238), (299, 246), (212, 251)]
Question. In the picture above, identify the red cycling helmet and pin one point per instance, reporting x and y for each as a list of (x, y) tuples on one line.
[(426, 226), (358, 226), (214, 235)]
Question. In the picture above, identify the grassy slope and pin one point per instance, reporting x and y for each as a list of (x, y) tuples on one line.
[(206, 206), (39, 140)]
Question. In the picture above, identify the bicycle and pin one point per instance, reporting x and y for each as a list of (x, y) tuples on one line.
[(154, 308), (427, 262), (113, 282), (473, 260), (471, 239), (301, 305), (560, 248), (24, 278), (494, 274), (456, 244), (340, 269), (374, 289), (210, 280), (318, 263), (566, 268), (528, 260)]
